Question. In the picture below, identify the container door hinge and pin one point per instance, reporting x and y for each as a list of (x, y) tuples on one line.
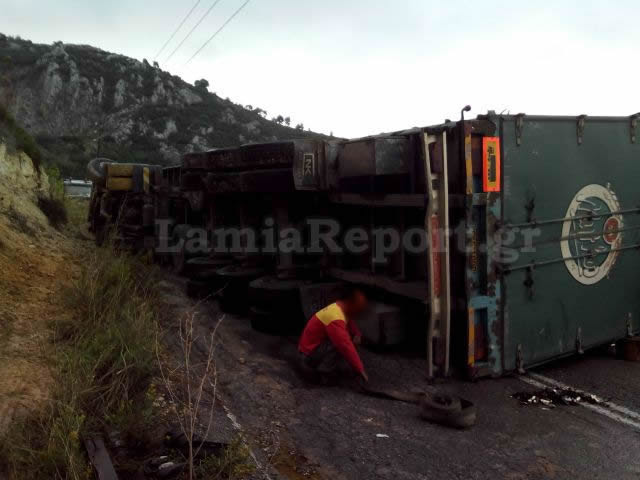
[(519, 128), (629, 325), (580, 128), (633, 123), (579, 348), (520, 360)]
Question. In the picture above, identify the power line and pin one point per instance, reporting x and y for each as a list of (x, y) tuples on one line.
[(192, 30), (177, 29), (219, 30)]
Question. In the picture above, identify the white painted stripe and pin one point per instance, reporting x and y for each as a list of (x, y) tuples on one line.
[(596, 408), (610, 405), (236, 425)]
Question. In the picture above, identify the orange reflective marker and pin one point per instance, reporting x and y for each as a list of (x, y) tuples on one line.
[(491, 164)]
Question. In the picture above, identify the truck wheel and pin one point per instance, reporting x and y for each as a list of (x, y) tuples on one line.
[(275, 305), (265, 292), (450, 411), (237, 279)]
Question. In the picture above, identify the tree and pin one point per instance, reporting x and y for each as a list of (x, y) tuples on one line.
[(287, 121), (249, 107), (300, 126), (156, 65), (280, 119), (202, 84)]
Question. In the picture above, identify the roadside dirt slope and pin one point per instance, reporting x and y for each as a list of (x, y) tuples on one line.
[(36, 262)]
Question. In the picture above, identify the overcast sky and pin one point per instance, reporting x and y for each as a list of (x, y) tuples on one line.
[(358, 67)]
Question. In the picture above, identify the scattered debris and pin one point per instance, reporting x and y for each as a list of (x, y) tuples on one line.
[(382, 435), (162, 467), (100, 459), (552, 397)]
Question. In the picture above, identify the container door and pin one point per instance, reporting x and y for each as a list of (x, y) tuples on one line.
[(570, 235)]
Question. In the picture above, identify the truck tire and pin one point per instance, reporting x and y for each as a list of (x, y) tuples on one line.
[(267, 291), (96, 170), (459, 413), (275, 305), (237, 279)]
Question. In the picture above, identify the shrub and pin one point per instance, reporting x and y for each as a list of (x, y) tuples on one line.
[(23, 141), (234, 463)]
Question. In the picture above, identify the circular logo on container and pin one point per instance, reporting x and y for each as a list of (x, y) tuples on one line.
[(591, 234)]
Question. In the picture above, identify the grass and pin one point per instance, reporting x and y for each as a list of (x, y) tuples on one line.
[(104, 364), (76, 211), (19, 222), (105, 372), (232, 464)]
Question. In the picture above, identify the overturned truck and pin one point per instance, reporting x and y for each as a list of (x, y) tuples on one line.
[(123, 202), (500, 242)]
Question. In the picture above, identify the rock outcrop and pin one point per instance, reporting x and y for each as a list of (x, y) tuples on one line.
[(77, 99), (21, 184)]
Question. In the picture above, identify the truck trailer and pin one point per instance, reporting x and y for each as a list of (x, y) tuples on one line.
[(501, 242)]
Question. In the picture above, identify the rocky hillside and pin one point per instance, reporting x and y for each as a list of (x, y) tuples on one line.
[(75, 99)]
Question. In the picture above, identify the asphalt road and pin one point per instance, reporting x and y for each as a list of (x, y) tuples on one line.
[(337, 433)]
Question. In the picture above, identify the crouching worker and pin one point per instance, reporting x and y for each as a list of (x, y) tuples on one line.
[(329, 338)]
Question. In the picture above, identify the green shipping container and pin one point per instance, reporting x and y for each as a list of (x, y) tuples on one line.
[(552, 210)]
